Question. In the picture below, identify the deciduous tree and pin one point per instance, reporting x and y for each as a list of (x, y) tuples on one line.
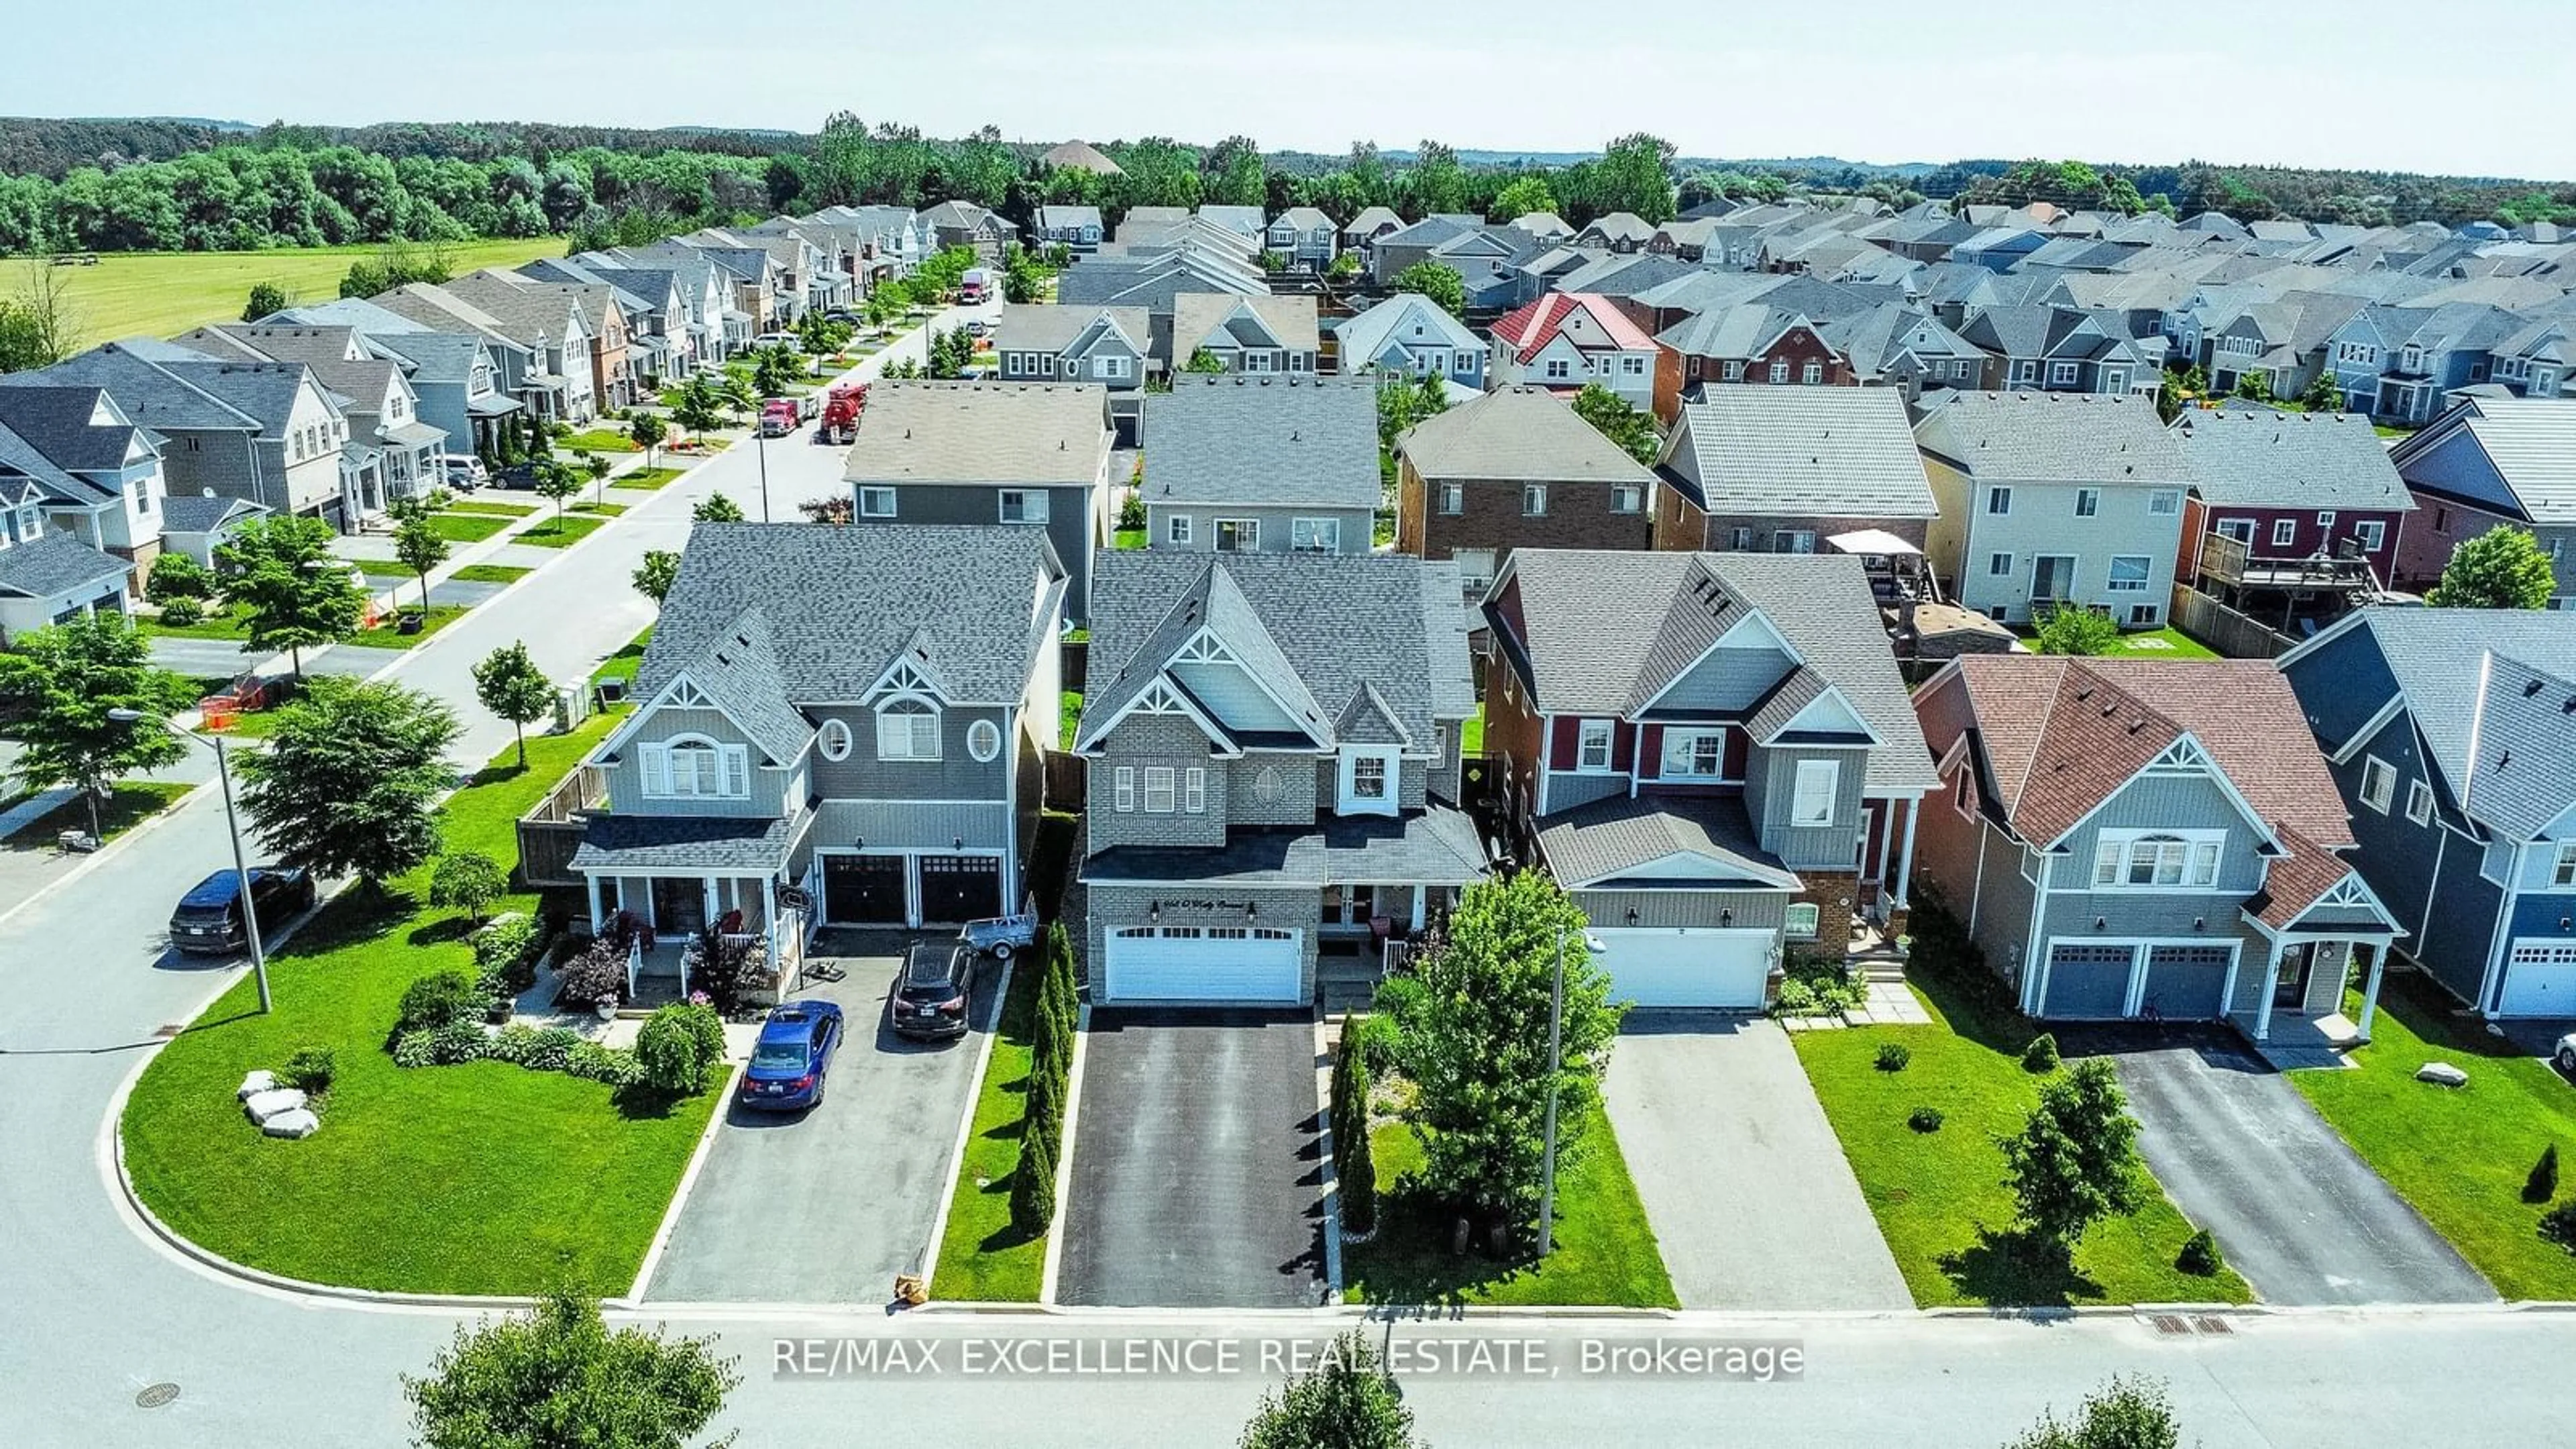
[(2502, 568), (656, 574), (265, 298), (419, 547), (1440, 283), (1620, 422), (2074, 629), (1349, 1401), (58, 685), (2075, 1159), (350, 782), (2124, 1413), (716, 508), (297, 594), (468, 881), (560, 1378), (510, 684)]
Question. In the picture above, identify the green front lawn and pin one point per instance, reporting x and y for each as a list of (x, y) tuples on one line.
[(561, 532), (387, 636), (219, 623), (492, 506), (2167, 643), (1131, 538), (1604, 1251), (600, 510), (2460, 1155), (490, 574), (131, 803), (482, 1178), (623, 664), (383, 568), (466, 527), (599, 440), (645, 479), (1940, 1197), (983, 1257)]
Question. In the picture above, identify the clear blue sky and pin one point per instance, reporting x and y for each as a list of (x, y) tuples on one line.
[(2462, 86)]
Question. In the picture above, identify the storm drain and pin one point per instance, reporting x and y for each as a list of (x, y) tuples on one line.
[(2170, 1323), (2207, 1324)]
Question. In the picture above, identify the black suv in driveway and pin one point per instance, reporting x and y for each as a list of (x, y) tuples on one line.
[(208, 921), (936, 990)]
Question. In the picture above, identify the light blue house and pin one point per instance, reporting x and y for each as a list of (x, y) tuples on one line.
[(2395, 363), (1410, 334)]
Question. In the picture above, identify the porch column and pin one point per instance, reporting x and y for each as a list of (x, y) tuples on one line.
[(1905, 859), (592, 882), (769, 918), (1421, 897), (2271, 983), (2370, 987)]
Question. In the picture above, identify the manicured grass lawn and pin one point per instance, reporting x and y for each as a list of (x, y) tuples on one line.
[(387, 636), (1131, 538), (467, 527), (2459, 1155), (383, 568), (645, 479), (491, 573), (492, 506), (600, 510), (983, 1257), (1940, 1197), (1471, 734), (599, 440), (1604, 1251), (219, 623), (1069, 718), (164, 293), (623, 664), (2166, 643), (483, 1178), (559, 532), (132, 803)]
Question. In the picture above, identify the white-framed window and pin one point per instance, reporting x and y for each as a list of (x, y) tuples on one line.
[(2562, 870), (1453, 499), (1799, 924), (1238, 535), (876, 503), (1534, 500), (2062, 374), (2088, 502), (1194, 790), (908, 729), (2325, 519), (1558, 367), (2285, 532), (1780, 370), (834, 741), (1793, 540), (1111, 367), (1734, 369), (2129, 573), (693, 767), (983, 740), (1315, 535), (1592, 745), (1740, 539), (1999, 565), (1368, 780), (1124, 783), (1627, 498), (2158, 860), (1812, 803), (2372, 534), (1024, 505), (2378, 783), (1811, 374), (2419, 802), (1046, 365), (2239, 529), (2142, 616), (1999, 501), (2165, 502), (1694, 754), (1158, 790), (1632, 365), (1178, 529), (1475, 569)]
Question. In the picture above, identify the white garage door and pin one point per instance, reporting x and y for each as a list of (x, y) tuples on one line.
[(1675, 967), (1192, 963), (2539, 979)]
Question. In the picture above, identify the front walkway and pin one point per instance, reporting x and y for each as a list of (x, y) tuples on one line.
[(1745, 1184)]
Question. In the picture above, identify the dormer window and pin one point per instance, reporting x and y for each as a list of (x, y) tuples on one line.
[(693, 767), (908, 729), (2167, 860), (1368, 780)]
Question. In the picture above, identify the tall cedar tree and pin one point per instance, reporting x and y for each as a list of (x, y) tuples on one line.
[(59, 684), (350, 782), (510, 684), (297, 594)]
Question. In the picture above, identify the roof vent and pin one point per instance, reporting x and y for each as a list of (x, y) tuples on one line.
[(2530, 688)]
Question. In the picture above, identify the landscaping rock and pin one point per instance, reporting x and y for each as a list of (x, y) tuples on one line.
[(254, 1084), (264, 1105), (2441, 1074), (298, 1122)]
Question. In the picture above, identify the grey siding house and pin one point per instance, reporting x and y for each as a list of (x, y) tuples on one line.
[(1111, 346), (854, 712), (2135, 838), (1034, 455), (1272, 750), (1245, 464)]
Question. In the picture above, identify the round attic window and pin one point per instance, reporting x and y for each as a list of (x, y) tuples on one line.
[(983, 739), (836, 739), (1266, 786)]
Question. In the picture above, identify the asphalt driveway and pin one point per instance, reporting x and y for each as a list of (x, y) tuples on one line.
[(1743, 1180), (1197, 1179), (827, 1206), (2296, 1212)]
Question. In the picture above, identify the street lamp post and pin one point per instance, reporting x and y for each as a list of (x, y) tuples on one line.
[(232, 826), (760, 444)]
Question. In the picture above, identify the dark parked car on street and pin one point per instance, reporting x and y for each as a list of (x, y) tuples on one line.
[(936, 990), (795, 1050), (208, 921)]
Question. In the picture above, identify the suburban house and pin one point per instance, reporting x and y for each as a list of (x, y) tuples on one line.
[(964, 224), (2288, 510), (1272, 760), (1248, 464), (1566, 339), (1247, 222), (2451, 734), (1784, 470), (855, 712), (2049, 498), (601, 321), (2398, 363), (455, 377), (1514, 469), (2059, 349), (80, 505), (391, 453), (1620, 231), (1364, 230), (1032, 454), (1752, 342), (1246, 334), (1713, 752), (543, 348), (657, 304), (2145, 838), (1410, 334), (2538, 361), (1076, 228), (2486, 463), (1037, 342), (1305, 236)]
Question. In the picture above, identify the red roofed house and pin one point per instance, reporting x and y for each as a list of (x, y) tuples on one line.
[(2135, 838), (1566, 339)]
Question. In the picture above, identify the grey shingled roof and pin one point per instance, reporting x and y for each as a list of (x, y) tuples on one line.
[(644, 843), (1604, 628), (55, 563), (1046, 433), (262, 390), (1597, 843), (1197, 318), (1041, 327), (2053, 437), (2439, 658), (63, 423), (204, 515), (1438, 846), (1518, 433), (145, 392), (1826, 452), (2289, 460), (2532, 443), (1262, 440), (840, 603), (738, 669)]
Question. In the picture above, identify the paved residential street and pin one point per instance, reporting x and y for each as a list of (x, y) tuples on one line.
[(827, 1206), (1742, 1178), (2302, 1218), (1196, 1181)]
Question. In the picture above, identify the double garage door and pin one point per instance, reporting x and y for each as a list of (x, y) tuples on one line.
[(1234, 964), (2539, 979), (2095, 982), (874, 890), (1723, 969)]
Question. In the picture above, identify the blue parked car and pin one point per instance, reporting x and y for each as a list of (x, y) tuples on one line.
[(795, 1050)]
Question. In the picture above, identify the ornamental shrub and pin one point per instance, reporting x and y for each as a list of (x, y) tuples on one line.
[(461, 1040), (674, 1049), (593, 1062), (1033, 1187), (181, 612), (2200, 1255), (2542, 1185), (1893, 1056), (2558, 1225), (435, 1000), (309, 1070), (411, 1049), (1925, 1119), (1372, 1038), (2041, 1054)]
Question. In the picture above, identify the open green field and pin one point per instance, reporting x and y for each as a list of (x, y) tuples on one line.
[(164, 293)]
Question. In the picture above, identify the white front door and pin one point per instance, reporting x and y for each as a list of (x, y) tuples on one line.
[(1205, 963), (1675, 966), (2539, 979)]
